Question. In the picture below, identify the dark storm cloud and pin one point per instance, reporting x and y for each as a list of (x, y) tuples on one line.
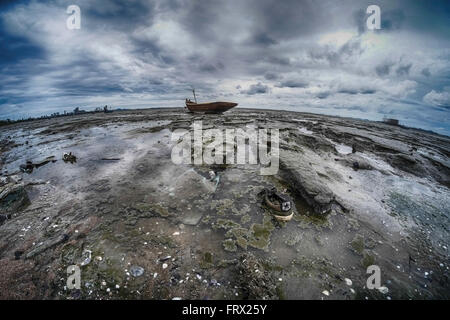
[(392, 20), (359, 17), (419, 16), (211, 68), (335, 56), (426, 72), (200, 16), (357, 91), (403, 70), (292, 84), (384, 69), (287, 19), (256, 89), (271, 76), (323, 95), (159, 49), (262, 39), (17, 49), (117, 14)]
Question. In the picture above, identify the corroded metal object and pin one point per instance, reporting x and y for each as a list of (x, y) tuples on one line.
[(280, 203)]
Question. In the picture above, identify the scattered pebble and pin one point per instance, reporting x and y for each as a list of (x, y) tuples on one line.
[(136, 271), (383, 289)]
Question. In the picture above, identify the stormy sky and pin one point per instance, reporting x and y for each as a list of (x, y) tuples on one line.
[(303, 55)]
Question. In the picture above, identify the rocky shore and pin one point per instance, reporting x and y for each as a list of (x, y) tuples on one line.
[(141, 227)]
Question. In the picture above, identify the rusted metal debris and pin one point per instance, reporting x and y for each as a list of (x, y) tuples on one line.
[(278, 202)]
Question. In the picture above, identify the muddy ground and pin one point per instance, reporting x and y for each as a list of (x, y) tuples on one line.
[(141, 227)]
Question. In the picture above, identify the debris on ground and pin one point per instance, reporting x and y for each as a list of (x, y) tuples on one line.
[(13, 198), (69, 157), (29, 166), (255, 281), (279, 203)]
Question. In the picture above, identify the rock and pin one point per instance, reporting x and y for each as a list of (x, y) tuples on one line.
[(13, 198), (18, 254), (307, 183), (192, 218), (165, 258), (3, 218), (383, 290), (136, 271)]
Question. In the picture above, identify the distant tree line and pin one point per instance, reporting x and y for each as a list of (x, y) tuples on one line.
[(75, 111)]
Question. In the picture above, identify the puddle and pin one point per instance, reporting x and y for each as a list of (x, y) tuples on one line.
[(305, 131), (343, 149)]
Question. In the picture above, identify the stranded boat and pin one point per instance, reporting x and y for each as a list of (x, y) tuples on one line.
[(209, 107)]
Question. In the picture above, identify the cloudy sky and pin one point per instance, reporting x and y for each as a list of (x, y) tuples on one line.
[(311, 55)]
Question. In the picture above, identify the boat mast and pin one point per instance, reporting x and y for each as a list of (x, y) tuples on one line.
[(193, 90)]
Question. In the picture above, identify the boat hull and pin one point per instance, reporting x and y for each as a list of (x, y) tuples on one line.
[(210, 107)]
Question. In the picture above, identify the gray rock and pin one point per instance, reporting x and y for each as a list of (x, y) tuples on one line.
[(136, 271)]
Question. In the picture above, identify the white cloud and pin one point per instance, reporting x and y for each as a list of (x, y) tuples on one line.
[(440, 99)]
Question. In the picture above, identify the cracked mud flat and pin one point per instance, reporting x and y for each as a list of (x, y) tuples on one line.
[(141, 227)]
